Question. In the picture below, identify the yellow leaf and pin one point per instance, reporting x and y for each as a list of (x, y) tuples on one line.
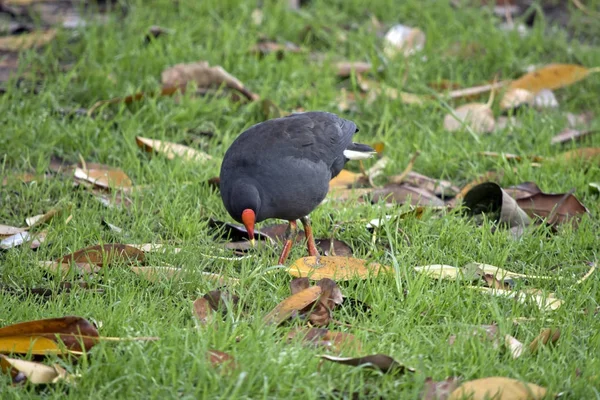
[(295, 302), (344, 179), (31, 40), (498, 388), (29, 344), (337, 268), (171, 150), (552, 76)]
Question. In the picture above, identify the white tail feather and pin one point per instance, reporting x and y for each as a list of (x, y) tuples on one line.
[(357, 155)]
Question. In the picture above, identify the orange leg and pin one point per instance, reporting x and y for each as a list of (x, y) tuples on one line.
[(310, 238), (290, 236)]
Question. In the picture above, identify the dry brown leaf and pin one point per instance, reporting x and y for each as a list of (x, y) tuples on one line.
[(104, 176), (64, 269), (585, 154), (568, 135), (32, 40), (439, 390), (104, 255), (171, 150), (292, 304), (498, 388), (42, 218), (523, 190), (546, 336), (552, 76), (405, 193), (402, 39), (321, 337), (344, 68), (478, 116), (42, 336), (381, 362), (336, 268), (439, 187), (555, 208), (33, 372), (490, 198), (7, 230), (203, 311), (220, 359), (204, 76)]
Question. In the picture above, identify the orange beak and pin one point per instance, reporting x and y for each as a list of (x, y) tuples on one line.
[(249, 218)]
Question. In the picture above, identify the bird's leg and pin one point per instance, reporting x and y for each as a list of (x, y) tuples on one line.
[(290, 236), (310, 238)]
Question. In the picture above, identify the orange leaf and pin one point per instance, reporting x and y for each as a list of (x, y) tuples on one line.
[(337, 268), (344, 179), (552, 76), (295, 302)]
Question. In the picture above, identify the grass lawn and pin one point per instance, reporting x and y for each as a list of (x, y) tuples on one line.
[(412, 317)]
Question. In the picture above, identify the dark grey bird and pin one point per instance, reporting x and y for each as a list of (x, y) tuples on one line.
[(281, 168)]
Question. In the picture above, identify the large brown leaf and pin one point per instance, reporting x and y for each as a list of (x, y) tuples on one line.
[(556, 208), (104, 255), (293, 304), (42, 336)]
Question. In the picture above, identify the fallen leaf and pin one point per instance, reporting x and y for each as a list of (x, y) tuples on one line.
[(23, 177), (490, 198), (171, 150), (380, 362), (344, 69), (568, 135), (292, 304), (33, 372), (552, 76), (555, 208), (439, 187), (204, 76), (515, 347), (523, 190), (104, 255), (585, 154), (34, 240), (325, 338), (345, 179), (405, 193), (104, 176), (203, 311), (266, 47), (546, 336), (478, 116), (544, 302), (7, 230), (42, 218), (516, 97), (336, 268), (42, 336), (220, 359), (32, 40), (402, 39), (221, 301), (434, 390), (498, 388)]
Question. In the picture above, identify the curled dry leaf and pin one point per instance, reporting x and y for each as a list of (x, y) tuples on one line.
[(31, 40), (498, 388), (105, 255), (171, 150), (405, 193), (490, 198), (34, 239), (402, 39), (546, 336), (204, 76), (33, 372), (544, 302), (292, 304), (552, 76), (325, 338), (104, 176), (42, 218), (336, 268), (515, 347), (478, 116), (43, 336), (7, 230), (434, 390), (568, 135), (380, 362), (203, 311)]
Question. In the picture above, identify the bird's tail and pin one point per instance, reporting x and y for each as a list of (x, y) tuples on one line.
[(358, 151)]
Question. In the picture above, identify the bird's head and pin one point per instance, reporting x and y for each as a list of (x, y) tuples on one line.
[(249, 219)]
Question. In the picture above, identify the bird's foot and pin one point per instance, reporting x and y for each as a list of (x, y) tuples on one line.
[(290, 236), (310, 239)]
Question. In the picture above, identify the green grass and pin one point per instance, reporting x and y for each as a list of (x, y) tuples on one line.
[(111, 60)]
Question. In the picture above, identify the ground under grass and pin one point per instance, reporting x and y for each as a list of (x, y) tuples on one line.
[(411, 316)]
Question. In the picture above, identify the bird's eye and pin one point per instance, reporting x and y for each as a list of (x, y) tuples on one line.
[(356, 130)]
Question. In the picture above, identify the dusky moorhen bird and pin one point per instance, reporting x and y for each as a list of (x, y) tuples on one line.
[(281, 168)]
